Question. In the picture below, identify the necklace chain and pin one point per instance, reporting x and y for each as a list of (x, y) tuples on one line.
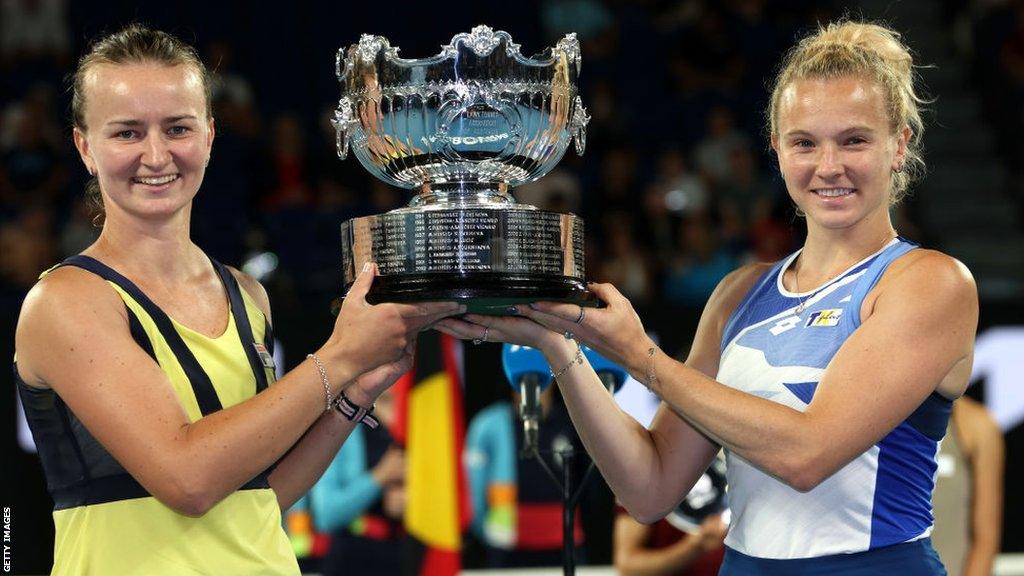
[(802, 302)]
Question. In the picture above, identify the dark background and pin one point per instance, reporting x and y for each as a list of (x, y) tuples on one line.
[(677, 186)]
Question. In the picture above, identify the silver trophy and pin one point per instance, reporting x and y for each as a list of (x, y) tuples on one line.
[(463, 128)]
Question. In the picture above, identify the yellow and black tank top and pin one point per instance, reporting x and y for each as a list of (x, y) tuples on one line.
[(106, 523)]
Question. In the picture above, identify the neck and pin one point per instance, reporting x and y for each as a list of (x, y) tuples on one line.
[(829, 252), (152, 249)]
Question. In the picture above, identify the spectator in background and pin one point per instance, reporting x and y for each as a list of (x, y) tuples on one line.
[(360, 501), (675, 192), (968, 499), (32, 156), (517, 508), (700, 262), (34, 41), (623, 262), (714, 152), (660, 549)]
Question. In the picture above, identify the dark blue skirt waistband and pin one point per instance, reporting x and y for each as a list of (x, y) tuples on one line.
[(916, 558)]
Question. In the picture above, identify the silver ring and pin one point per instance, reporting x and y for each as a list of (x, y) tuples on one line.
[(583, 313), (486, 330), (569, 335), (477, 341)]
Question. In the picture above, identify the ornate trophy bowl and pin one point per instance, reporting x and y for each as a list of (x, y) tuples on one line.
[(462, 128)]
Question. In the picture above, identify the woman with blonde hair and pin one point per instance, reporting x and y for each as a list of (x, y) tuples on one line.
[(146, 368), (828, 376)]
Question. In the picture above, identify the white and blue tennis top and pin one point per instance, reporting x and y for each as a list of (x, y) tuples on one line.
[(883, 496)]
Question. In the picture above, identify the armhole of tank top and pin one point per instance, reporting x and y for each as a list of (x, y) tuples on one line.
[(872, 276)]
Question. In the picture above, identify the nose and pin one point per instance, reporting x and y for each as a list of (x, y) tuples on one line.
[(155, 152), (830, 163)]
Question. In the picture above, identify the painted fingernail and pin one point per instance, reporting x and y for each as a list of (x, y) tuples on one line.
[(512, 310)]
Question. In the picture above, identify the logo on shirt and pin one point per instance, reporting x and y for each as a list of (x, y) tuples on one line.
[(265, 358), (829, 317)]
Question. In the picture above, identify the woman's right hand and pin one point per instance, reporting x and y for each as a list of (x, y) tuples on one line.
[(511, 329), (366, 335)]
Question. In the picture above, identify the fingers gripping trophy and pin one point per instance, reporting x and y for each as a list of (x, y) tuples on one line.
[(462, 129)]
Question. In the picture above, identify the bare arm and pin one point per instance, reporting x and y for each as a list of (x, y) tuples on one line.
[(863, 394), (73, 337), (307, 460), (984, 443), (648, 470)]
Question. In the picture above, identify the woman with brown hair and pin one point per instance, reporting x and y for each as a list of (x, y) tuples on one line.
[(145, 367)]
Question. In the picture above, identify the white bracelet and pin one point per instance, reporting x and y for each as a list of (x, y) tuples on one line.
[(323, 378)]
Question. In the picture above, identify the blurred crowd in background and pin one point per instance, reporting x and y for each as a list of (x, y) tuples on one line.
[(677, 185)]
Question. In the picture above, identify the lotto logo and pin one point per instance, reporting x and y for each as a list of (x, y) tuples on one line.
[(828, 317)]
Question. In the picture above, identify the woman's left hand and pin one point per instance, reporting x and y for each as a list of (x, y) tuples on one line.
[(369, 385), (615, 330)]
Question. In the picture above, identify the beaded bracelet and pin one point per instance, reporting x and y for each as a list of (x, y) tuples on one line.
[(323, 378), (577, 359)]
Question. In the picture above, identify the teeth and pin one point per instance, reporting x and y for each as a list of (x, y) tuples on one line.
[(833, 192), (157, 181)]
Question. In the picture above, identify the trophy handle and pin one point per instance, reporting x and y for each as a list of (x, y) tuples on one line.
[(344, 124), (578, 126)]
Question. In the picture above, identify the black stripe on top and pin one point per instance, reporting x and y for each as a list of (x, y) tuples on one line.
[(117, 488), (202, 387), (242, 324)]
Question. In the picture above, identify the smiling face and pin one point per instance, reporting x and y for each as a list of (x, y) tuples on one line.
[(147, 136), (837, 151)]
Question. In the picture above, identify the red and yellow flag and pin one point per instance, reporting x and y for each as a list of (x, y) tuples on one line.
[(431, 425)]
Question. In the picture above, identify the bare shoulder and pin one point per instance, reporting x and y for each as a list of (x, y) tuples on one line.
[(928, 280), (254, 289), (66, 301), (932, 269)]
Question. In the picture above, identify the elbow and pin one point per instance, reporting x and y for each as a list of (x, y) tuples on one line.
[(188, 497), (645, 514), (803, 473)]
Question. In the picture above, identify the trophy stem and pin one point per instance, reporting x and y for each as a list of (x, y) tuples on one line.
[(450, 194)]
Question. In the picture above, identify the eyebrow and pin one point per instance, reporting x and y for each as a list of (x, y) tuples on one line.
[(793, 133), (168, 120)]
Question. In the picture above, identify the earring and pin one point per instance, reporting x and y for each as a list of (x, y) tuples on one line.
[(207, 162), (90, 170)]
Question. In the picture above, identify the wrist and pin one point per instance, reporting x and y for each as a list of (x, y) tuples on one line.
[(358, 396), (354, 412), (644, 366), (559, 350), (340, 368)]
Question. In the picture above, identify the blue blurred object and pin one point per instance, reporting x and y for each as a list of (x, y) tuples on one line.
[(521, 361), (529, 374), (613, 375)]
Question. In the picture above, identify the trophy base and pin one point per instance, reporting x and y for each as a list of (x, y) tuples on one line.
[(484, 256), (482, 293)]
